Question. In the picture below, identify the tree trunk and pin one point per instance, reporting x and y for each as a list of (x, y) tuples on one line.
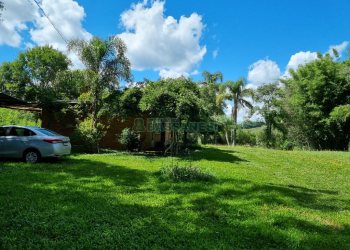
[(234, 122), (94, 121), (227, 138)]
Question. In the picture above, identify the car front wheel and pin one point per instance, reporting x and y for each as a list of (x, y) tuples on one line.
[(31, 156)]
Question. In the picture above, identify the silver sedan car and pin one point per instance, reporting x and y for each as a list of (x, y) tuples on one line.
[(32, 143)]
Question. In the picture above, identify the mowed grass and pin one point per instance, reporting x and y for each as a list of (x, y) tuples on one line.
[(261, 199)]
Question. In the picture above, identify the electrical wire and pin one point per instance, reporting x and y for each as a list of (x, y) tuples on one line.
[(50, 21)]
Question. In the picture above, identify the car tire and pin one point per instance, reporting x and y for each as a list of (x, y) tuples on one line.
[(31, 156)]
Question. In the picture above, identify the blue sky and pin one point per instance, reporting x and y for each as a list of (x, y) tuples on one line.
[(252, 39)]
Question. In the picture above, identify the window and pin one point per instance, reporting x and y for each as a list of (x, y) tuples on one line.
[(21, 132), (2, 131), (48, 132)]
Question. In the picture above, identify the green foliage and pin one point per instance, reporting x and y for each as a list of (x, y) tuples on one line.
[(247, 124), (88, 135), (130, 101), (175, 98), (31, 76), (246, 137), (339, 121), (69, 84), (212, 77), (21, 118), (225, 127), (269, 97), (187, 173), (287, 145), (312, 93), (211, 92), (130, 139)]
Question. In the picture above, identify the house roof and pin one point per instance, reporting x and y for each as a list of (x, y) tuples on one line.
[(10, 102)]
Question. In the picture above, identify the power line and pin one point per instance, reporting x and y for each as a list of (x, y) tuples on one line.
[(51, 22)]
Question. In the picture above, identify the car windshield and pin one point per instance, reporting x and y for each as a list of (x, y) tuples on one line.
[(48, 132)]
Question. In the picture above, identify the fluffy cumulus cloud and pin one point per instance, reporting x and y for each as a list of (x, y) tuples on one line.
[(160, 42), (67, 15), (299, 59), (263, 71), (15, 18), (20, 16), (340, 48)]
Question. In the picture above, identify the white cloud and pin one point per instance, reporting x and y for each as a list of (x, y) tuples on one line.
[(195, 73), (20, 16), (67, 16), (340, 48), (228, 108), (14, 20), (263, 71), (164, 73), (160, 42), (299, 59), (215, 53)]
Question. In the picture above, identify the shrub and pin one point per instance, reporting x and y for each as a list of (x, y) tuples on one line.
[(246, 138), (130, 139), (88, 137), (188, 173), (288, 145)]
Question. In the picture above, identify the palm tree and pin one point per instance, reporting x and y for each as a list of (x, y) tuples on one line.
[(106, 64), (212, 77), (236, 92), (212, 91)]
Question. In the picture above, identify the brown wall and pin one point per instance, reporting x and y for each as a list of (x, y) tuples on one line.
[(65, 124)]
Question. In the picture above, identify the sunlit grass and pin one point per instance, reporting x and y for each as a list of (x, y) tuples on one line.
[(260, 199)]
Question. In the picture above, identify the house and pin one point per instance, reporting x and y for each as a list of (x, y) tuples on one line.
[(65, 124)]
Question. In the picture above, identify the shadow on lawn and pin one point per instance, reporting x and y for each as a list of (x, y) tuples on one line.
[(69, 205), (214, 154)]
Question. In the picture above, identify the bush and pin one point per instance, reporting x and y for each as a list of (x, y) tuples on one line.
[(246, 138), (88, 137), (288, 145), (16, 117), (130, 139), (188, 173)]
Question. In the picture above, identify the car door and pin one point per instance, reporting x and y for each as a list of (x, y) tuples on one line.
[(16, 141), (3, 144), (12, 143)]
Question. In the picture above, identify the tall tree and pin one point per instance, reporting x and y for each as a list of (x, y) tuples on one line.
[(237, 93), (33, 73), (269, 98), (313, 93), (173, 98), (212, 77), (212, 92), (106, 64)]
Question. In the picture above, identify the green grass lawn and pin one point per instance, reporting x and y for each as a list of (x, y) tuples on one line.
[(261, 199)]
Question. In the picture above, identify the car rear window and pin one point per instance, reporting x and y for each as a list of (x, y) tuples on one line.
[(2, 132), (21, 132), (48, 132)]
